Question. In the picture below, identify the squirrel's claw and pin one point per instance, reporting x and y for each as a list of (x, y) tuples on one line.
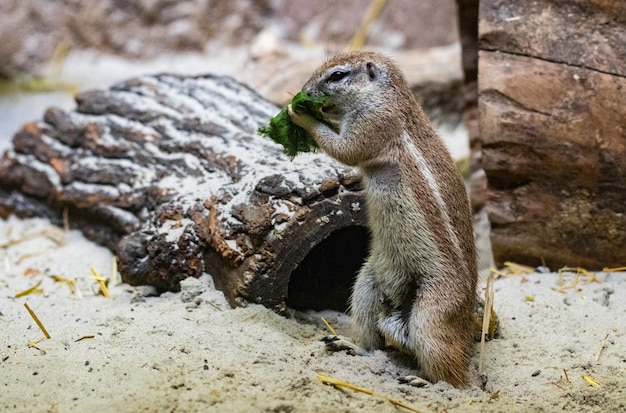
[(339, 343)]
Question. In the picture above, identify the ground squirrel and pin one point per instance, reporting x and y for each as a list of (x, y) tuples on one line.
[(417, 288)]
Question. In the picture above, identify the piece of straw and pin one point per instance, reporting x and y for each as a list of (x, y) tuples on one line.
[(515, 269), (329, 327), (102, 281), (52, 233), (563, 383), (602, 346), (33, 344), (616, 269), (68, 282), (591, 381), (487, 313), (83, 338), (34, 316), (562, 286), (32, 290), (26, 256), (114, 280), (340, 383)]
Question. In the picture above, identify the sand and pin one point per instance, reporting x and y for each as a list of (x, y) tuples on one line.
[(189, 351)]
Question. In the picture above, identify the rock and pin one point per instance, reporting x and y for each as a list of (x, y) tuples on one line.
[(552, 92), (582, 33)]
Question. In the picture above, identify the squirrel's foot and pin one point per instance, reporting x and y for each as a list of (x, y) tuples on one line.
[(414, 381), (478, 379), (339, 343)]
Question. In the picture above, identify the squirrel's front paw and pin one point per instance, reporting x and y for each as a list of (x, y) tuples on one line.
[(339, 343), (304, 120), (414, 381)]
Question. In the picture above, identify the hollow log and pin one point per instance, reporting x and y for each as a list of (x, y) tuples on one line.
[(169, 172), (552, 84)]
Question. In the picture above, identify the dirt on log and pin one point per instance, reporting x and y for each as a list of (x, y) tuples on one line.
[(169, 172), (552, 84)]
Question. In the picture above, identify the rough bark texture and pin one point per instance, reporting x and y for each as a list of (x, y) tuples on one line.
[(552, 86), (168, 172)]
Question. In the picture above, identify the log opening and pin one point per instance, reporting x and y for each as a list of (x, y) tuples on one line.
[(324, 279)]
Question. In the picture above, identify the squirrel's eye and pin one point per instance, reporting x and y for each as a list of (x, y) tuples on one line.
[(337, 76)]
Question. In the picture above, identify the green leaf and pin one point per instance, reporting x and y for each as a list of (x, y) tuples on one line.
[(292, 137)]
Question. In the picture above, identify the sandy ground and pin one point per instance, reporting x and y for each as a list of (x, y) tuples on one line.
[(189, 351)]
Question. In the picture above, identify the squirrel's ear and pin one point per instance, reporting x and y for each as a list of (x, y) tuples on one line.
[(372, 71)]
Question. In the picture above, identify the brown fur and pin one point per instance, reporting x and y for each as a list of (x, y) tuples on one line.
[(417, 289)]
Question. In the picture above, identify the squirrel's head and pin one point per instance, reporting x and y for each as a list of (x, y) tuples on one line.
[(356, 82)]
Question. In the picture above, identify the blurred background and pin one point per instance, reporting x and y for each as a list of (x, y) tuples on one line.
[(52, 49)]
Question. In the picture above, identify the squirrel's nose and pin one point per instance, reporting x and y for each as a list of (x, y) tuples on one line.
[(311, 91)]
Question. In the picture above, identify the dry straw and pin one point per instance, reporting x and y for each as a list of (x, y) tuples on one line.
[(329, 327), (34, 316), (32, 290), (101, 281), (489, 319), (339, 383)]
